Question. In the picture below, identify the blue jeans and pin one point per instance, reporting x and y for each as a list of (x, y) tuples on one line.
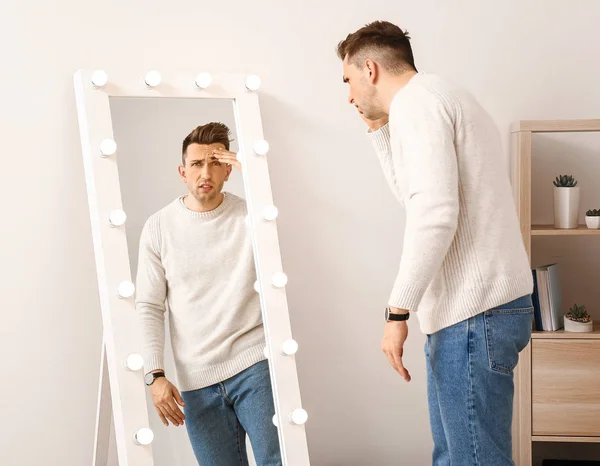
[(470, 385), (218, 418)]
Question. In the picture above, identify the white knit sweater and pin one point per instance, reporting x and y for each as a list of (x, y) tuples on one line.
[(202, 263), (463, 251)]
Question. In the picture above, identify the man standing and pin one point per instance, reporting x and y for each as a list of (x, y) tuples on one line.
[(196, 254), (464, 267)]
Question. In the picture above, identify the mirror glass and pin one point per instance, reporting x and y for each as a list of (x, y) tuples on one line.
[(193, 266)]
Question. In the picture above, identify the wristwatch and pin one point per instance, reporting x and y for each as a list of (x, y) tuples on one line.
[(391, 317), (150, 378)]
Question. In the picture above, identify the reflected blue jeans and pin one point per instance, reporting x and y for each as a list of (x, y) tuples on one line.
[(470, 385), (218, 417)]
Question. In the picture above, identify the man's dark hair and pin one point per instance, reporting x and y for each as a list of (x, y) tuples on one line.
[(210, 133), (384, 42)]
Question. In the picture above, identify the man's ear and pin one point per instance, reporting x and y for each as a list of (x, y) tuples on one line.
[(372, 70), (229, 168), (181, 170)]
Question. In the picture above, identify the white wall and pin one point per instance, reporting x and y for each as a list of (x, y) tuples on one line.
[(340, 228)]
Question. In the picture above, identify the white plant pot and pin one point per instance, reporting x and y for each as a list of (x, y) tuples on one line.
[(592, 221), (566, 207), (572, 326)]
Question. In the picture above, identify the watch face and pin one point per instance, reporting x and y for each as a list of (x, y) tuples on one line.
[(148, 379), (387, 314)]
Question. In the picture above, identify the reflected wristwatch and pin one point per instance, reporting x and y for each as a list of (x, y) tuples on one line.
[(152, 376)]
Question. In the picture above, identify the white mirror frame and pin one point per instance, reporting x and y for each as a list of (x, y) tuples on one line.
[(121, 334)]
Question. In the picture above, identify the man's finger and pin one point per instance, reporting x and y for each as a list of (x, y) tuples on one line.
[(227, 159), (234, 163), (400, 367), (176, 411), (162, 416), (222, 152), (391, 360), (171, 415), (178, 397)]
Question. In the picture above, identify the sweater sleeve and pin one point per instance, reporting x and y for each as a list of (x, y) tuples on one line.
[(151, 293), (424, 126), (380, 140)]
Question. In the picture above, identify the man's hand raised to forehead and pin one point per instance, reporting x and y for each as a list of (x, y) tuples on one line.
[(228, 157)]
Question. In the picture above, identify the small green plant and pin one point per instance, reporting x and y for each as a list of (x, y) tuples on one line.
[(593, 213), (565, 181), (578, 314)]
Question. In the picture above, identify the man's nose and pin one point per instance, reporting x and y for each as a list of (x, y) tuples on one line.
[(206, 171)]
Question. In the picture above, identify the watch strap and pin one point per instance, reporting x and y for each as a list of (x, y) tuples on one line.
[(391, 317)]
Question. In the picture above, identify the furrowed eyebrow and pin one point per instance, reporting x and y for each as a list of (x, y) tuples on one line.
[(202, 160)]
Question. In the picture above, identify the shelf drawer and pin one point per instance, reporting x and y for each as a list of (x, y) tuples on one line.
[(565, 384)]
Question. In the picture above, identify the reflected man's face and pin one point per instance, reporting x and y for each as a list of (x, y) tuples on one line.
[(203, 174)]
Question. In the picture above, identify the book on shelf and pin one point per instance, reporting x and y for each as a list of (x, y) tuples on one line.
[(547, 298)]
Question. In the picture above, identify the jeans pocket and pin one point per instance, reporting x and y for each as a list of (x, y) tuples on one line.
[(507, 331)]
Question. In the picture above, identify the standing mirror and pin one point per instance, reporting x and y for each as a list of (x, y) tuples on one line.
[(198, 357)]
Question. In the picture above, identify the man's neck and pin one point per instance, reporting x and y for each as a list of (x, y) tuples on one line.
[(196, 206), (392, 86)]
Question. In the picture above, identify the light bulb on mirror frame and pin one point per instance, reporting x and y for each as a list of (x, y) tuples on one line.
[(261, 147), (152, 78), (280, 280), (298, 417), (289, 347), (117, 218), (266, 352), (143, 436), (108, 147), (257, 286), (134, 362), (275, 421), (253, 82), (126, 289), (270, 213), (203, 80), (99, 78)]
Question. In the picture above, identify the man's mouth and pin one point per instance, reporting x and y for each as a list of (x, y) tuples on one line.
[(205, 187)]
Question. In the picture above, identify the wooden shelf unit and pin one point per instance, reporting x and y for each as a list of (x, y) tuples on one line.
[(549, 230), (547, 375), (559, 334), (556, 438)]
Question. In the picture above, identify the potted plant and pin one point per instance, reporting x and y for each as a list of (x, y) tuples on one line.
[(578, 320), (566, 202), (592, 219)]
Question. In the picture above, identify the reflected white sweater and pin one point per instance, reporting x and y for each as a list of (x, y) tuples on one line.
[(463, 251), (202, 263)]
